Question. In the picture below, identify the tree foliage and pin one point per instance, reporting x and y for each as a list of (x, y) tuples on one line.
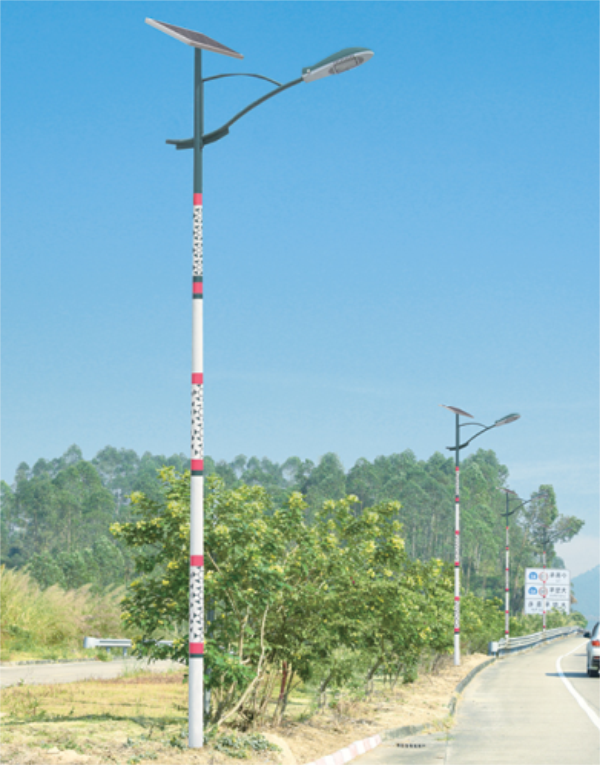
[(56, 515), (320, 598)]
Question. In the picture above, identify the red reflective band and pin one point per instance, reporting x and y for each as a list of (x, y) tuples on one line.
[(456, 630), (197, 648), (197, 464), (506, 612), (457, 499), (197, 378), (457, 531), (197, 199), (196, 560), (456, 563), (197, 288), (457, 597), (457, 468)]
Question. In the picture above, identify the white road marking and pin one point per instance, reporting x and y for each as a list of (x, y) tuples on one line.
[(589, 712)]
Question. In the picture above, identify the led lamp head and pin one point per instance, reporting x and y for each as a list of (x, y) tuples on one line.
[(507, 419), (346, 59)]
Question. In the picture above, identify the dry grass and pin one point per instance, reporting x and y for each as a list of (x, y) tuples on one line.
[(51, 623), (142, 718)]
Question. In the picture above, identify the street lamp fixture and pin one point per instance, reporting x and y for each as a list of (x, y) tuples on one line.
[(507, 515), (339, 62), (456, 449), (506, 420)]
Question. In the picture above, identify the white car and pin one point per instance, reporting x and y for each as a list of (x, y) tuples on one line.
[(593, 651)]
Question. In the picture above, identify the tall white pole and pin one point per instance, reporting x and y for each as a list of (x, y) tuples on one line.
[(457, 551), (196, 595), (507, 585), (544, 590)]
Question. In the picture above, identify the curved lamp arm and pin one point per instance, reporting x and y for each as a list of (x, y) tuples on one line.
[(466, 443), (526, 502), (342, 61), (240, 74), (221, 132), (224, 129), (501, 421)]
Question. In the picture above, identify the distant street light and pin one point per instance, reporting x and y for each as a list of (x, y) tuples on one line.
[(456, 448), (339, 62), (507, 514)]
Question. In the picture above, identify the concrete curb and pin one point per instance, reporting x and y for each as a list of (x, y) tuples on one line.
[(465, 681), (360, 747), (349, 752), (410, 730), (345, 755)]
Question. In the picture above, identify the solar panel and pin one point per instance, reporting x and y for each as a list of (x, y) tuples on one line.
[(456, 410), (195, 39)]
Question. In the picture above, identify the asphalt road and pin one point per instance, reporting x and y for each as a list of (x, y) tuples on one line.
[(46, 674), (517, 711)]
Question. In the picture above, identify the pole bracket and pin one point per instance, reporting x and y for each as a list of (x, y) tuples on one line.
[(216, 135), (188, 143)]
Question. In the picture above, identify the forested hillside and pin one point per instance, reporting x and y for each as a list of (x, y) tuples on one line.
[(586, 588), (55, 517), (56, 514)]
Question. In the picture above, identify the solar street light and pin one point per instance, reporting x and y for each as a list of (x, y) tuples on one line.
[(339, 62), (456, 449)]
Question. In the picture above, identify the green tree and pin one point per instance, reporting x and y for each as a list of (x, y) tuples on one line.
[(283, 590)]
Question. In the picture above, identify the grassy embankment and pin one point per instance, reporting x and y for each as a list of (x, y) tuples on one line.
[(52, 623), (142, 718)]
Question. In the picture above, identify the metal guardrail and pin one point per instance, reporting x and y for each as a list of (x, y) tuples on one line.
[(504, 646), (108, 643)]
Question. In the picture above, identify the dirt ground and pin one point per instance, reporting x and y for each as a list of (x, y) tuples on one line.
[(142, 720)]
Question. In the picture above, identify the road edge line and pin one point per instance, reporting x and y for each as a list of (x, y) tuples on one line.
[(583, 704)]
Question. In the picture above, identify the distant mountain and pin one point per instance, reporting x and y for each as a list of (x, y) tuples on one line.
[(587, 592)]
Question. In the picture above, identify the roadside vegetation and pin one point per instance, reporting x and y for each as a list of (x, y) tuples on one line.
[(332, 600), (51, 623), (142, 718), (327, 594), (55, 515)]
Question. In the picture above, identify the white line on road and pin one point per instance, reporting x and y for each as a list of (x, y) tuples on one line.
[(589, 712)]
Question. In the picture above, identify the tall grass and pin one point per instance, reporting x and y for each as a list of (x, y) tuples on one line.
[(40, 621)]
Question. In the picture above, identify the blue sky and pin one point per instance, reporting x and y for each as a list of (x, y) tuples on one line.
[(421, 230)]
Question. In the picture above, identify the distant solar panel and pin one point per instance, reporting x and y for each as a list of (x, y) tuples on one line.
[(195, 39), (456, 410)]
